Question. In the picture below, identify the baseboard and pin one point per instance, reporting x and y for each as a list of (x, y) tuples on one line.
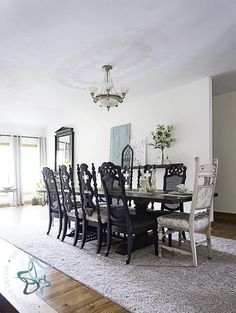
[(222, 217)]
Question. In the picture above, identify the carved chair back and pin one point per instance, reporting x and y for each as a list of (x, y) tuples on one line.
[(114, 188), (174, 175), (52, 190), (88, 190), (67, 188), (204, 188)]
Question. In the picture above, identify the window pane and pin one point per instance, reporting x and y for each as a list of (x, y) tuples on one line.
[(30, 166)]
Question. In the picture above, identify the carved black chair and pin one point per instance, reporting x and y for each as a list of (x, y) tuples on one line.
[(54, 204), (174, 175), (94, 216), (119, 218), (72, 207)]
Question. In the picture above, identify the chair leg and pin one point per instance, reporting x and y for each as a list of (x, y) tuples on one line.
[(65, 222), (77, 231), (130, 247), (160, 235), (155, 240), (99, 237), (84, 233), (208, 236), (49, 224), (193, 246), (108, 239), (60, 227)]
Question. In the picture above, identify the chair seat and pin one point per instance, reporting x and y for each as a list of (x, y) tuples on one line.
[(140, 223), (94, 216), (180, 221), (72, 213), (157, 213)]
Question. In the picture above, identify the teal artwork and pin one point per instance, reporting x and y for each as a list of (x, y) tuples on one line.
[(120, 137)]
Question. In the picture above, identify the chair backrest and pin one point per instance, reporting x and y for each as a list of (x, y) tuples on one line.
[(88, 190), (174, 175), (52, 190), (67, 188), (114, 188), (204, 188), (127, 173)]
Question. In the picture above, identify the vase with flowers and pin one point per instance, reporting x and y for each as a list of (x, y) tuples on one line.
[(162, 138)]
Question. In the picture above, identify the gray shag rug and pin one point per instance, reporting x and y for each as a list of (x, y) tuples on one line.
[(148, 284)]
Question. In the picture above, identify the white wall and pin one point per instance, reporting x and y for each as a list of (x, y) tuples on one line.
[(224, 129), (19, 129), (187, 107)]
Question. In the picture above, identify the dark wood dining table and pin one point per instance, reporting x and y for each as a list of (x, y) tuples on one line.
[(142, 199)]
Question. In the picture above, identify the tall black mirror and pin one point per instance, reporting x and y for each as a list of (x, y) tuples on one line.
[(64, 147)]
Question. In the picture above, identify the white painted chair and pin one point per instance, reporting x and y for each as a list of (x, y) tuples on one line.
[(200, 216)]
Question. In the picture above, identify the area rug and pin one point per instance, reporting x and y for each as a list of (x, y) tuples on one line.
[(148, 284)]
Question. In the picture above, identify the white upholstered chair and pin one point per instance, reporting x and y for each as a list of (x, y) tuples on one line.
[(200, 216)]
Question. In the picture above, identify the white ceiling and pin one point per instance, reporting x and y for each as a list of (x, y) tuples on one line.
[(52, 50)]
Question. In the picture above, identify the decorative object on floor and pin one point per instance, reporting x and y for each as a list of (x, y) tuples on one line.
[(108, 96), (148, 284), (120, 137), (199, 218), (32, 279), (162, 138)]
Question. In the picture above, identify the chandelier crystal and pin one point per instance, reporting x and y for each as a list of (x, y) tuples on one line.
[(108, 96)]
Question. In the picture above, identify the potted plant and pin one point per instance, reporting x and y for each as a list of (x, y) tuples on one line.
[(162, 138)]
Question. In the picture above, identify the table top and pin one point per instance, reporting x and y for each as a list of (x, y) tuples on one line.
[(160, 196)]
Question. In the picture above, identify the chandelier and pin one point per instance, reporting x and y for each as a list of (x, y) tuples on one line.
[(108, 96)]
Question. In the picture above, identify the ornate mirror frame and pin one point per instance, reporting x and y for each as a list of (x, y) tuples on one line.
[(64, 136)]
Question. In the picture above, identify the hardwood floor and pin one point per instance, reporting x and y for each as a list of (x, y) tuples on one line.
[(64, 295), (224, 230)]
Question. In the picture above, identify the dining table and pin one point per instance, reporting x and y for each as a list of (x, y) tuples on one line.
[(142, 199)]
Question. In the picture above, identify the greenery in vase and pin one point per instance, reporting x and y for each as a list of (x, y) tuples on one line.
[(162, 137)]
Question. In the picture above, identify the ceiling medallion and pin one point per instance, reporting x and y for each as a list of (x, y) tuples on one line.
[(108, 96)]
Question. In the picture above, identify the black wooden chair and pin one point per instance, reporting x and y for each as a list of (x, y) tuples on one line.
[(174, 175), (72, 207), (94, 214), (119, 218), (54, 204)]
